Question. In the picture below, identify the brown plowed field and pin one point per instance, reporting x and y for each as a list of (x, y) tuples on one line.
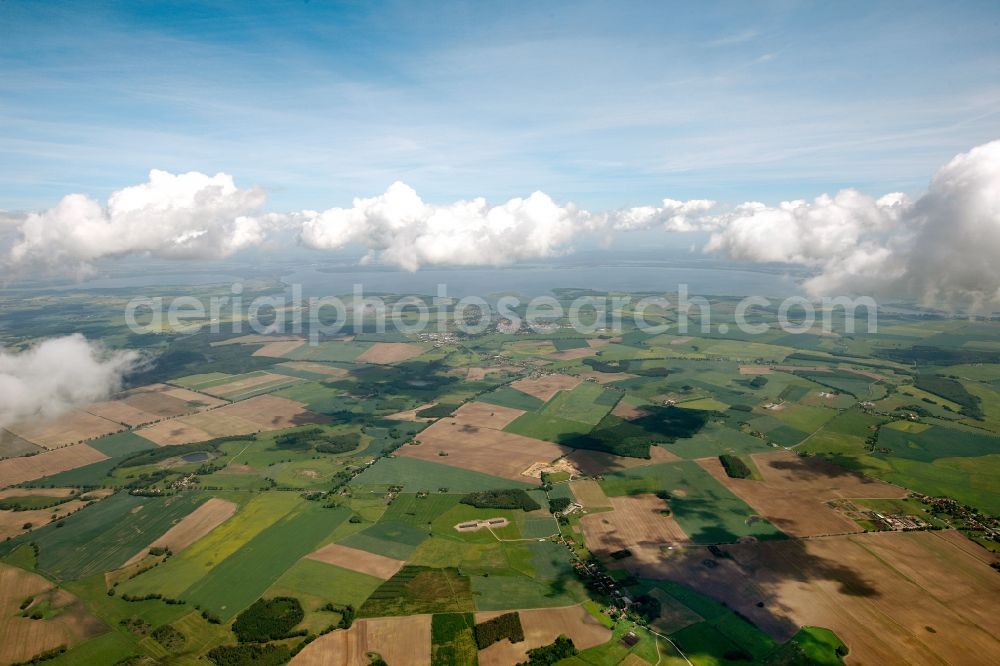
[(400, 640), (22, 638), (598, 462), (481, 449), (19, 470), (546, 386), (893, 597), (261, 413), (12, 522), (541, 627), (191, 527), (357, 560), (483, 415), (636, 523), (389, 352), (71, 428), (793, 492), (279, 349), (318, 368)]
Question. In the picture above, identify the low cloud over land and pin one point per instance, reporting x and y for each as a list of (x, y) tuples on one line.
[(59, 375)]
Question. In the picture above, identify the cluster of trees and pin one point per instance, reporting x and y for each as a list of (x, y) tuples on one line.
[(561, 648), (33, 503), (269, 620), (318, 439), (136, 625), (160, 453), (437, 411), (152, 596), (648, 607), (169, 637), (735, 467), (346, 611), (951, 389), (42, 656), (558, 504), (501, 499), (496, 629), (250, 654), (928, 355)]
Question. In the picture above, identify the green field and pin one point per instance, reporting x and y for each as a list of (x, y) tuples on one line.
[(547, 427), (506, 396), (183, 571), (419, 511), (416, 475), (335, 350), (586, 403), (415, 590), (453, 642), (510, 592), (705, 509), (103, 536), (936, 442), (240, 579), (316, 584), (121, 444), (392, 539), (930, 424)]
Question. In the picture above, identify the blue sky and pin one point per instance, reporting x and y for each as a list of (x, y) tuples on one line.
[(605, 104)]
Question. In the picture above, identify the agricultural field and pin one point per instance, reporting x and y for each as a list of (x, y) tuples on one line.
[(888, 595), (29, 468), (147, 404), (104, 535), (73, 428), (257, 414), (545, 387), (485, 450), (360, 561), (705, 510), (541, 627), (190, 528), (638, 524), (398, 640), (241, 387), (62, 619), (401, 490), (794, 492)]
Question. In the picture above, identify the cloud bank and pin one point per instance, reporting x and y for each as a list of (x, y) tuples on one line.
[(399, 228), (939, 246), (59, 375)]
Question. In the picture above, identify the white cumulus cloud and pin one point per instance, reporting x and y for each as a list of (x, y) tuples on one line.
[(672, 215), (943, 247), (59, 375), (184, 216), (399, 228)]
